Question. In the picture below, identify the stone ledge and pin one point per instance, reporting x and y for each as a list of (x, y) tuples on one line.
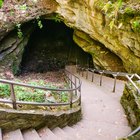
[(14, 119)]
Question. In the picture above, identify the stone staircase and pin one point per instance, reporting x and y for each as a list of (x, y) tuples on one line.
[(103, 117)]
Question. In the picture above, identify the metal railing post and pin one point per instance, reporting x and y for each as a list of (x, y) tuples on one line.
[(75, 86), (71, 81), (71, 98), (86, 73), (82, 73), (92, 76), (115, 79), (101, 78), (80, 96), (13, 98)]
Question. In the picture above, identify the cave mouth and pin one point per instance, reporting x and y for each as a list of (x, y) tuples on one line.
[(51, 49)]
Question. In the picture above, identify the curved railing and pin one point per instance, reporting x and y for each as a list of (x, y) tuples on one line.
[(74, 89), (128, 76)]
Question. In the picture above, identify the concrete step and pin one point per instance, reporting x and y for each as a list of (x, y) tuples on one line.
[(31, 134), (63, 135), (46, 134), (73, 133), (13, 135), (0, 134), (106, 129), (91, 134)]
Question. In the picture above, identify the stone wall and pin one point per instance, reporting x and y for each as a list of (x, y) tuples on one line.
[(14, 119), (131, 104)]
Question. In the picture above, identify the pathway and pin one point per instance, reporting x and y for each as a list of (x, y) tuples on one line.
[(103, 116)]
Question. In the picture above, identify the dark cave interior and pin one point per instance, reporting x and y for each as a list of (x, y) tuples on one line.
[(51, 48)]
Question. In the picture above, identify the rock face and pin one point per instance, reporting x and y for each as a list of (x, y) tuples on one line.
[(111, 36), (124, 43), (131, 104)]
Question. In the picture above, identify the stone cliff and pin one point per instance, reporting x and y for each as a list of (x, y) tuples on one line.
[(108, 30)]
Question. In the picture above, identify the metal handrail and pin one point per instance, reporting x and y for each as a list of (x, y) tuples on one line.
[(115, 75), (75, 86)]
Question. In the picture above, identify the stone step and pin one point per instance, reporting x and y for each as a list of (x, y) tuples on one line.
[(63, 135), (31, 134), (46, 134), (0, 134), (73, 133), (13, 135)]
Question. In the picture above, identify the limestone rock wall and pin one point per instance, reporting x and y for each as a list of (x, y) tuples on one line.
[(12, 48), (119, 40), (86, 16)]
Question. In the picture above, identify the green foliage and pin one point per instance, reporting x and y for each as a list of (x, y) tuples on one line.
[(111, 10), (39, 23), (1, 3), (119, 4), (30, 94), (107, 7), (136, 25), (4, 90), (112, 24), (64, 97), (19, 32), (23, 7), (56, 18)]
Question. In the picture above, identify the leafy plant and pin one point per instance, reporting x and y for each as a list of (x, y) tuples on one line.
[(4, 90), (136, 25), (19, 32), (31, 94), (56, 18), (39, 23), (64, 97), (23, 7), (111, 10)]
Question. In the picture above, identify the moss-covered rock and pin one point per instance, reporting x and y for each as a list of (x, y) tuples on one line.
[(131, 104)]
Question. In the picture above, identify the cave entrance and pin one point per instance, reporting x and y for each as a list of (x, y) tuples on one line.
[(51, 48)]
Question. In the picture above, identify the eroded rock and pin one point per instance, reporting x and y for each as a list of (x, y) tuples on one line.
[(121, 42)]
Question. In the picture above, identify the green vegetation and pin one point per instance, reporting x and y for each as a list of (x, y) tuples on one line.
[(136, 25), (19, 32), (1, 3), (119, 13), (32, 95), (23, 7), (39, 22)]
